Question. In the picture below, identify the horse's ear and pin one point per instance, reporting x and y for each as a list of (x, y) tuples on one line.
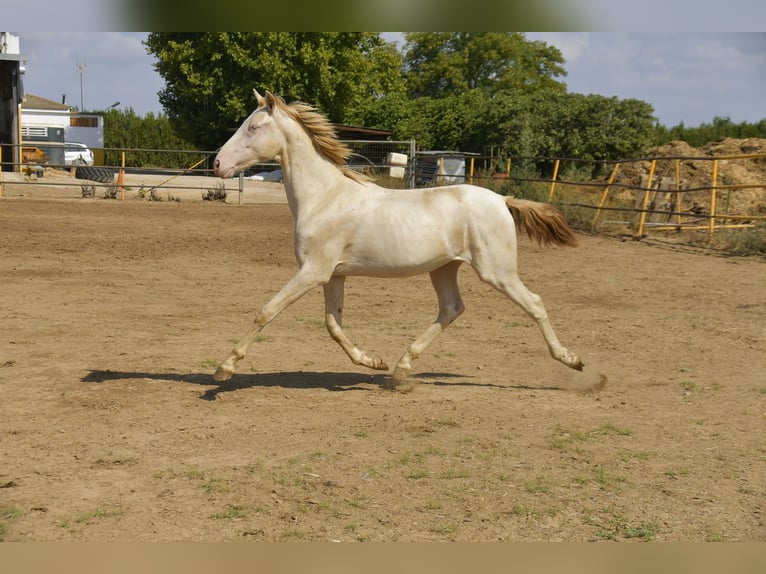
[(259, 98), (271, 100)]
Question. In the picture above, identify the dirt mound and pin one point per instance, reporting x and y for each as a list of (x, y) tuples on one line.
[(694, 172)]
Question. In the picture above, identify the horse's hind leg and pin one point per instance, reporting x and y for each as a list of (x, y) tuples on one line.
[(511, 285), (333, 300), (444, 280)]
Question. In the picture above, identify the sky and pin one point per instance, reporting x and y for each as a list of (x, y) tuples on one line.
[(687, 76)]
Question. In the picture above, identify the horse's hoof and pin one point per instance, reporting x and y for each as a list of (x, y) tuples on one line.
[(222, 374), (577, 364), (379, 364), (572, 361), (400, 383)]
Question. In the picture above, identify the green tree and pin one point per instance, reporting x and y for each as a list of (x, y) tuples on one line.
[(210, 76), (445, 63), (144, 137), (705, 133)]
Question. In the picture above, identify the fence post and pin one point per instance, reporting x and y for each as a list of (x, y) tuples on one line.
[(553, 182), (121, 178), (441, 170), (678, 194), (601, 202), (645, 203), (241, 185), (413, 161), (713, 197)]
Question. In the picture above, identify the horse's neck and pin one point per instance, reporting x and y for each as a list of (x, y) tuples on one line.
[(309, 179)]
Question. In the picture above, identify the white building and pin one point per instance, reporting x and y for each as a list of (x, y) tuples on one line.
[(26, 119), (11, 92), (48, 124)]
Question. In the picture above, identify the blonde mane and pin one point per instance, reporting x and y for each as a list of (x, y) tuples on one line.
[(323, 134)]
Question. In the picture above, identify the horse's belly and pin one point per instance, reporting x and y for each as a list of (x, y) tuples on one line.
[(383, 262), (377, 270)]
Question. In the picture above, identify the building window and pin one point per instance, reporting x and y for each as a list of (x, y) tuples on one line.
[(83, 121), (34, 132)]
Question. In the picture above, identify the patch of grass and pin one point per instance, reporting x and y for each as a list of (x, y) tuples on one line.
[(628, 455), (98, 513), (8, 514), (448, 423), (231, 513), (459, 493), (454, 473), (611, 430), (417, 474), (747, 242), (714, 537), (314, 322), (208, 363), (644, 531), (563, 437), (353, 529), (290, 480), (524, 511), (419, 458), (688, 386), (599, 476), (206, 482), (444, 529), (357, 502), (216, 193), (604, 478), (540, 485), (615, 526), (676, 473)]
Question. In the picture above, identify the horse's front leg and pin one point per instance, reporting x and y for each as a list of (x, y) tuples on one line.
[(333, 301), (300, 284)]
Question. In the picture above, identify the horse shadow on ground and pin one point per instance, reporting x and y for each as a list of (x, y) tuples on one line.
[(331, 381)]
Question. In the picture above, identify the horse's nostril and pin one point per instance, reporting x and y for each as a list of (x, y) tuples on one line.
[(217, 163)]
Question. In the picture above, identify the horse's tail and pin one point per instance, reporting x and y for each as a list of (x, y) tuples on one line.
[(541, 221)]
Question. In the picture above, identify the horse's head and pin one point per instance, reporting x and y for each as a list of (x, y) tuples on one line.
[(257, 140)]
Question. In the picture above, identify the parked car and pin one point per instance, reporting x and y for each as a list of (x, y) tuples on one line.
[(77, 154)]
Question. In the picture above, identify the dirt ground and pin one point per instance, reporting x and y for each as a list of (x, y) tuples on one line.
[(115, 314)]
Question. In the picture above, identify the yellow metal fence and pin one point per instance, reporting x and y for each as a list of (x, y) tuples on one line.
[(689, 201)]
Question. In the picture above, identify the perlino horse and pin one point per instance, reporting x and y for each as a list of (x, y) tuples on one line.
[(346, 225)]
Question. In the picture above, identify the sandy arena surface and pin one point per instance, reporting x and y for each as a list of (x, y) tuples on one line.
[(115, 314)]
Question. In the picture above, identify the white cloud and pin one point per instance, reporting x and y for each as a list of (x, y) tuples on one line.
[(573, 45), (689, 77)]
